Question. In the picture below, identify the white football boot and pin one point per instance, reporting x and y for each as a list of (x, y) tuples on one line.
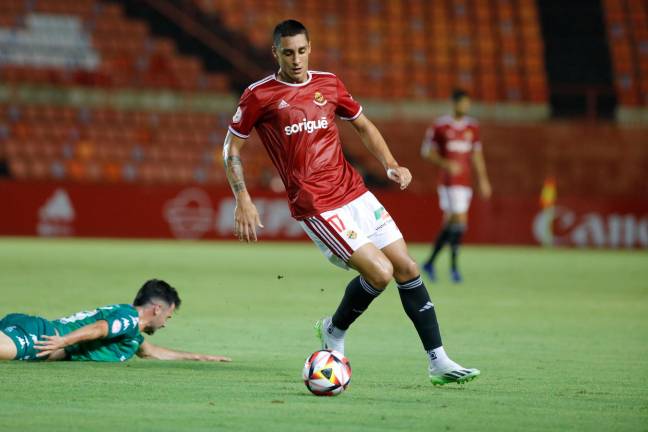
[(443, 370), (457, 375)]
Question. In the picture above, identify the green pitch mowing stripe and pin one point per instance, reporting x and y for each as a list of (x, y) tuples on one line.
[(560, 338)]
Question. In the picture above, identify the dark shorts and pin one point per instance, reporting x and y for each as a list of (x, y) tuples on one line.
[(24, 331)]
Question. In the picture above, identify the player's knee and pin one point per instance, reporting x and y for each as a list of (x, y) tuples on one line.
[(406, 271), (380, 280), (380, 275), (458, 218)]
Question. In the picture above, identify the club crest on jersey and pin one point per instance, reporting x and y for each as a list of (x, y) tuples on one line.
[(352, 234), (319, 99), (237, 115)]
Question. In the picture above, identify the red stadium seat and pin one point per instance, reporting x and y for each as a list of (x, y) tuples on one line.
[(111, 171), (39, 168), (18, 168), (488, 88), (76, 170)]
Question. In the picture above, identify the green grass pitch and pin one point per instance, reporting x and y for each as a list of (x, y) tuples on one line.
[(561, 338)]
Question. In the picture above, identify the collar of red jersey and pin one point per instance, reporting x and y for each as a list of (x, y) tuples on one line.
[(310, 76), (459, 123)]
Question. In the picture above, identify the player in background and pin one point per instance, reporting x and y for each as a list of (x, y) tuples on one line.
[(294, 114), (106, 334), (453, 145)]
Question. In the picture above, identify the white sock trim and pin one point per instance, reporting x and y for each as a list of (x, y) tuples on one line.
[(415, 283), (367, 287)]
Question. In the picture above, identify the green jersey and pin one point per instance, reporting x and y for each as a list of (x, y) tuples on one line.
[(121, 343)]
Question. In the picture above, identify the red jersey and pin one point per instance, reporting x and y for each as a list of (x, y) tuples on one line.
[(455, 140), (296, 124)]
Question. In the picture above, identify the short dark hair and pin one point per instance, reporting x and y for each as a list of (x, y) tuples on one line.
[(288, 28), (458, 94), (157, 289)]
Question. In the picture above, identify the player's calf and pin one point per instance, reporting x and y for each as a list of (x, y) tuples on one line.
[(357, 297)]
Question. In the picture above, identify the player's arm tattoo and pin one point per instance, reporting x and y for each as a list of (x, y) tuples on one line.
[(234, 170)]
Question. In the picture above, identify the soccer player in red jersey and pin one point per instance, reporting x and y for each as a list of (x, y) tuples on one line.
[(453, 145), (294, 113)]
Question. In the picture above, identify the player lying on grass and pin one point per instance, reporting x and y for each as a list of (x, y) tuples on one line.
[(106, 334)]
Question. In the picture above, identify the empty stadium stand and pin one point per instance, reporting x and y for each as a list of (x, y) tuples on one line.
[(55, 143), (63, 47), (91, 43), (627, 25), (414, 49), (88, 94)]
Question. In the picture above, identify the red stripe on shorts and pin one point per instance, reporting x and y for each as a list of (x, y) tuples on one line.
[(323, 229), (335, 234), (327, 240)]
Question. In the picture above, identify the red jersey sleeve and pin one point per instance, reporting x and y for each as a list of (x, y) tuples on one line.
[(246, 116), (347, 107)]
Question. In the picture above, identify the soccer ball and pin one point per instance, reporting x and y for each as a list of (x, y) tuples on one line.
[(327, 373)]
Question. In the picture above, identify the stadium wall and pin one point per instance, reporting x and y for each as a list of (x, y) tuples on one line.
[(52, 209), (587, 159)]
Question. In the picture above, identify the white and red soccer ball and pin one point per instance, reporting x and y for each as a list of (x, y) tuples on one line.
[(327, 373)]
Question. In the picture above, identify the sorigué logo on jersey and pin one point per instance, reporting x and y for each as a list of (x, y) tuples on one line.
[(460, 146), (308, 126)]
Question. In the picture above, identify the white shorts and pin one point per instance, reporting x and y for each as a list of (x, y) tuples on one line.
[(340, 232), (454, 199)]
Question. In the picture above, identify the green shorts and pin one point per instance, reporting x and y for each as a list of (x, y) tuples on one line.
[(24, 331)]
